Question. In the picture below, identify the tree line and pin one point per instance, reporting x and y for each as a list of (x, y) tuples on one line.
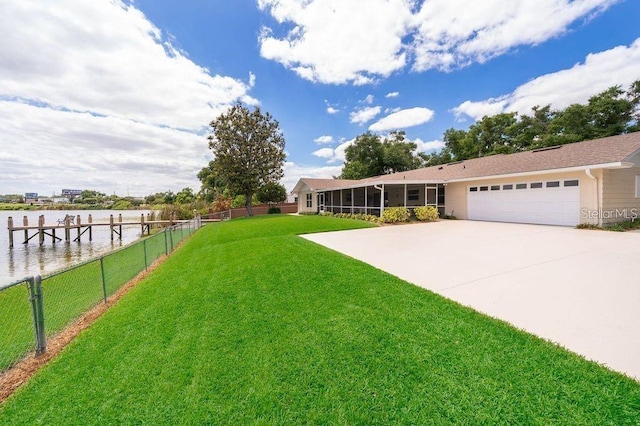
[(612, 112)]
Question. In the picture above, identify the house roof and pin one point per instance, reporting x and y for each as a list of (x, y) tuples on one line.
[(614, 151)]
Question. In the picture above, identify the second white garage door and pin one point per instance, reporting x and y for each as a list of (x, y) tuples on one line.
[(540, 202)]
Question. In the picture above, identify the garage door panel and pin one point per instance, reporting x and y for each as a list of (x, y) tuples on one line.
[(553, 206)]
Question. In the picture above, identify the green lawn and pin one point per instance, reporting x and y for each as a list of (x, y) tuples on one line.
[(249, 324)]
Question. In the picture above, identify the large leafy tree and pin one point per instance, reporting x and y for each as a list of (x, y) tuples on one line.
[(248, 147), (272, 193), (611, 112), (372, 155), (363, 158), (212, 185)]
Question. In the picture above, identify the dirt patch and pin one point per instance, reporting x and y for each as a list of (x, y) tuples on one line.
[(17, 375)]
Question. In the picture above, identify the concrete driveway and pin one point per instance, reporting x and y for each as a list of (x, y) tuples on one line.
[(578, 288)]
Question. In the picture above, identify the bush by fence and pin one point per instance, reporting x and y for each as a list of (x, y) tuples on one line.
[(257, 210), (37, 308)]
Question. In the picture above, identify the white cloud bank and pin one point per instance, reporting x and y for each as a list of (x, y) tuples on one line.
[(389, 35), (324, 139), (118, 105), (363, 115), (338, 155), (402, 119), (563, 88)]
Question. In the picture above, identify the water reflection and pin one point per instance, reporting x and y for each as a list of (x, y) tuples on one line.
[(32, 259)]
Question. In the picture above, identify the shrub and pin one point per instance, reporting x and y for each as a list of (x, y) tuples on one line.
[(588, 226), (274, 210), (426, 213), (395, 215)]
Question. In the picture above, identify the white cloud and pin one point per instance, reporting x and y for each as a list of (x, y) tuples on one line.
[(402, 119), (103, 76), (332, 155), (85, 151), (390, 110), (370, 38), (293, 172), (433, 35), (392, 95), (330, 109), (447, 39), (324, 139), (363, 115), (369, 99), (434, 145), (324, 153), (620, 65)]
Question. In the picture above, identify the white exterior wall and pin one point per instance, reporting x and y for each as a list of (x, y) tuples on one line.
[(302, 201), (456, 192), (620, 201)]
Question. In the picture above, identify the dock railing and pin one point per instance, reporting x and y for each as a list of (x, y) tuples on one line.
[(35, 309)]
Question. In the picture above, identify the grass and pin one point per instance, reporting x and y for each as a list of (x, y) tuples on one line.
[(628, 225), (249, 324), (71, 292)]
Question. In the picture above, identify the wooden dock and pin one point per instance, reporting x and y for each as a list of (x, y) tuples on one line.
[(74, 225)]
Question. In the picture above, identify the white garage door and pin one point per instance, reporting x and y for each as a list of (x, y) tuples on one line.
[(542, 202)]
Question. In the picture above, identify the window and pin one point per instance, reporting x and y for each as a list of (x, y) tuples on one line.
[(495, 187), (638, 186), (554, 184), (413, 194), (571, 182), (507, 187), (521, 186), (309, 200), (484, 188), (473, 189), (536, 185)]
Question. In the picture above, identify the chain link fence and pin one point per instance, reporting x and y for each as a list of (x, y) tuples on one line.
[(35, 309)]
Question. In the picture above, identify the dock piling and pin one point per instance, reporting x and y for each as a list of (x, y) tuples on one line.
[(10, 226)]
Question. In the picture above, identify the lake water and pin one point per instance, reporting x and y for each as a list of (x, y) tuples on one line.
[(32, 259)]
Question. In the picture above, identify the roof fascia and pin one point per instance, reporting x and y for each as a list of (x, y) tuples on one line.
[(378, 183), (616, 165)]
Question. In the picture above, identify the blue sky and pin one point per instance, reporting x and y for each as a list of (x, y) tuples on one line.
[(116, 96)]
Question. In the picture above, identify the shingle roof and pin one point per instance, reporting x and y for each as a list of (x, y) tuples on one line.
[(614, 149)]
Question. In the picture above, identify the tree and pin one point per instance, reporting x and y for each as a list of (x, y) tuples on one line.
[(272, 193), (169, 197), (398, 154), (371, 155), (185, 196), (212, 184), (364, 157), (249, 150)]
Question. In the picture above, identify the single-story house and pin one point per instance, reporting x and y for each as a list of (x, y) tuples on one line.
[(596, 182)]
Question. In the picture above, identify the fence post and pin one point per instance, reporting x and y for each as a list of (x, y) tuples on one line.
[(104, 281), (144, 245), (166, 246), (171, 238), (37, 309)]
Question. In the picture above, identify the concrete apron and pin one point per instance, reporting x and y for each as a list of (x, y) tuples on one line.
[(578, 288)]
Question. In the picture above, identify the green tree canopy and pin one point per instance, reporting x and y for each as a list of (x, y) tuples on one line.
[(212, 184), (249, 150), (272, 193), (611, 112), (185, 196), (372, 155)]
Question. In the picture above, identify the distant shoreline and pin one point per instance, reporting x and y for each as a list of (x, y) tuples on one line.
[(28, 207)]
